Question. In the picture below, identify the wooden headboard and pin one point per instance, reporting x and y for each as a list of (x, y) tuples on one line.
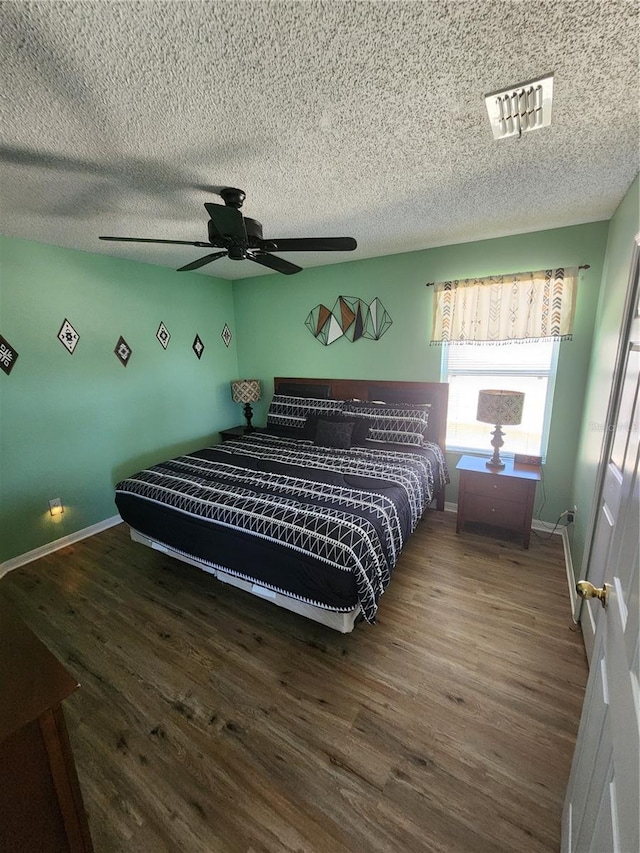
[(436, 393)]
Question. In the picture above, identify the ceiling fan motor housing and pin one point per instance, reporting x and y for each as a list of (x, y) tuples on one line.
[(233, 197)]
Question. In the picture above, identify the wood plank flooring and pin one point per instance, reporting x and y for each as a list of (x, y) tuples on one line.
[(209, 721)]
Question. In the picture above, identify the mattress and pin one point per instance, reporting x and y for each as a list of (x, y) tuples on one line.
[(322, 525)]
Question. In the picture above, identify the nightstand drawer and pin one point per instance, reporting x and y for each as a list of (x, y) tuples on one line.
[(490, 510), (493, 486)]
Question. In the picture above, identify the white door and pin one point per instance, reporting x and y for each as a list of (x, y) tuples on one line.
[(602, 807), (609, 483)]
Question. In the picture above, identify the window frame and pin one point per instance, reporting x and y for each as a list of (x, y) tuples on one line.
[(548, 406)]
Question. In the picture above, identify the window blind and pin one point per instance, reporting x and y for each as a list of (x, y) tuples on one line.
[(531, 358)]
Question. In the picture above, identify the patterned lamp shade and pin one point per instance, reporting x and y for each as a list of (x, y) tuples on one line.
[(245, 390), (500, 407)]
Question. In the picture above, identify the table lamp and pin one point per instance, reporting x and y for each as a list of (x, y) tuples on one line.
[(501, 408), (246, 391)]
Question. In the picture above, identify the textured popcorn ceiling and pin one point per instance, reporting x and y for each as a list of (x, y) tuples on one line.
[(363, 119)]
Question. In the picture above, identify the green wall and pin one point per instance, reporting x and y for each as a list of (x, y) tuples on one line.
[(273, 340), (72, 425), (623, 227)]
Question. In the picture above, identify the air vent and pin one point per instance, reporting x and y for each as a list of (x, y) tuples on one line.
[(521, 108)]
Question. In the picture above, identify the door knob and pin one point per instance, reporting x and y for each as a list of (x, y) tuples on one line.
[(588, 590)]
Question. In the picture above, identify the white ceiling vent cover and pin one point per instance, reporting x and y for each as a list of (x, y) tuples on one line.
[(521, 108)]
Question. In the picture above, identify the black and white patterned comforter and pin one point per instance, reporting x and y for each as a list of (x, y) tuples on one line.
[(322, 525)]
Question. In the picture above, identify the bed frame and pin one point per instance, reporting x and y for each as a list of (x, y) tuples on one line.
[(436, 393), (343, 622)]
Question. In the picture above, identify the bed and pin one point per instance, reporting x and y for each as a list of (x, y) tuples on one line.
[(312, 512)]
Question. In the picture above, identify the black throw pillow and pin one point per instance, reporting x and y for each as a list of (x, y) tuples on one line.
[(334, 434), (311, 423)]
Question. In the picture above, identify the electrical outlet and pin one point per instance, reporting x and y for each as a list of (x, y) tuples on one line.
[(524, 459)]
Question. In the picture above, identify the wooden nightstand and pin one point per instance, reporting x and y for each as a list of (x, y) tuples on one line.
[(237, 432), (232, 432), (503, 498)]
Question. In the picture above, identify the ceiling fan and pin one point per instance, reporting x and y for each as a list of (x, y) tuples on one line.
[(241, 238)]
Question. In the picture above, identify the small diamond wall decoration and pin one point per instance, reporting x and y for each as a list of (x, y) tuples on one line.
[(8, 356), (226, 335), (123, 351), (163, 335), (68, 336), (198, 346)]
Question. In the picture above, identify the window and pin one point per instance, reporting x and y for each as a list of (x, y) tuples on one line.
[(528, 367)]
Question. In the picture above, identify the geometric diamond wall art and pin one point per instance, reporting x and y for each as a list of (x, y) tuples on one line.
[(316, 322), (8, 356), (197, 346), (226, 335), (68, 336), (323, 325), (351, 312), (123, 351), (377, 321), (163, 335), (351, 317)]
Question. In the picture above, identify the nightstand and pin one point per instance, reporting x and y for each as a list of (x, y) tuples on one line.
[(501, 497), (237, 432), (233, 432)]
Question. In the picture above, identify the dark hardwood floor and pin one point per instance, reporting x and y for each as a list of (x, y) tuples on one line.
[(209, 720)]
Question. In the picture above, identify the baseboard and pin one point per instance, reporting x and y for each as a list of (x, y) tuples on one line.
[(57, 544), (571, 575), (546, 527)]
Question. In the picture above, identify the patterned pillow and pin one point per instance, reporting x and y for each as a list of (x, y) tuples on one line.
[(395, 423), (290, 413), (334, 434)]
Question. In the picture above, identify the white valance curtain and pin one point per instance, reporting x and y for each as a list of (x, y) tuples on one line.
[(521, 306)]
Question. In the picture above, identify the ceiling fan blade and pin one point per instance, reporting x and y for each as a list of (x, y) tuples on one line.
[(207, 259), (149, 240), (313, 244), (275, 263), (227, 221)]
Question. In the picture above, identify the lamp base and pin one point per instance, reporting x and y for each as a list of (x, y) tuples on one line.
[(248, 413), (496, 466), (496, 462)]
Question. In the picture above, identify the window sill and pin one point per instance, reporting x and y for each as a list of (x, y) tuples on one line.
[(477, 451), (487, 451)]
